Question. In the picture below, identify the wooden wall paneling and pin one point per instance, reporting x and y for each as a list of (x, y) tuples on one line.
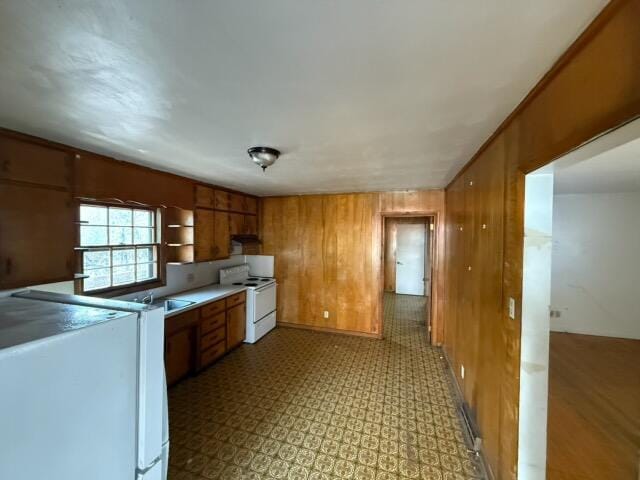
[(390, 230), (358, 246), (593, 88), (251, 205), (341, 237), (311, 296)]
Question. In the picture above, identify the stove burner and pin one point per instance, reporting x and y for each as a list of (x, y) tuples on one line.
[(265, 279), (250, 284), (253, 278), (237, 283)]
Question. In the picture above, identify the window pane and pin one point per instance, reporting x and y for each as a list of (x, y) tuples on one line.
[(97, 279), (145, 254), (99, 259), (142, 218), (124, 257), (146, 271), (122, 275), (120, 216), (90, 236), (120, 236), (142, 235), (93, 215)]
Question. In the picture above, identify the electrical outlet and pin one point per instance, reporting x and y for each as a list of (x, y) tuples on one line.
[(190, 278), (462, 371), (512, 308), (326, 314)]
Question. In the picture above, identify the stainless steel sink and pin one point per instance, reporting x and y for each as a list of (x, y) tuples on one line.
[(170, 304)]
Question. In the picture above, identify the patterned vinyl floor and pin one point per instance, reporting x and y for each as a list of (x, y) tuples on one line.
[(308, 405)]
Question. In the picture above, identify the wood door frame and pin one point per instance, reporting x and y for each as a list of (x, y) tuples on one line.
[(431, 312)]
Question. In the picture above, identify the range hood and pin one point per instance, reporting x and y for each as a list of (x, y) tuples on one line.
[(246, 239)]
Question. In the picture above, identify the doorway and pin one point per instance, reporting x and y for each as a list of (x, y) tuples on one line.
[(411, 255), (408, 243), (580, 339)]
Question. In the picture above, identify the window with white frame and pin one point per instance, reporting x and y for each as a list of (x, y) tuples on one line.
[(119, 246)]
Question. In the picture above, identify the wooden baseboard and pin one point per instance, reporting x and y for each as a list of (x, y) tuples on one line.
[(329, 330)]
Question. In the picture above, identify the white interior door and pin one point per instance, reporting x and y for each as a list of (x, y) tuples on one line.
[(410, 258)]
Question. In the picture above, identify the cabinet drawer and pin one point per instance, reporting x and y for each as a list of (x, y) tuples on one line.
[(213, 308), (212, 338), (212, 354), (211, 323), (236, 299), (178, 322)]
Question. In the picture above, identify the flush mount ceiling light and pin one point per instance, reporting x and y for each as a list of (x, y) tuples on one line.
[(263, 156)]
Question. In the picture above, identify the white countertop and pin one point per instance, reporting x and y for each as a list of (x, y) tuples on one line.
[(202, 296)]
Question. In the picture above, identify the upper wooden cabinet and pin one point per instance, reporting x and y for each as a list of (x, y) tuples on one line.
[(221, 200), (251, 205), (221, 235), (37, 237), (204, 196), (105, 178), (250, 226), (236, 202), (203, 235), (32, 163)]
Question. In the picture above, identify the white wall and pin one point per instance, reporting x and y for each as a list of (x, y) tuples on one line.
[(596, 264)]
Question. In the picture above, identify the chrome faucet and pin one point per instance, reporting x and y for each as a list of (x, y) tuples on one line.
[(148, 299)]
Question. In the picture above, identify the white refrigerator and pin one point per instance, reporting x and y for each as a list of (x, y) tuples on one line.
[(82, 389)]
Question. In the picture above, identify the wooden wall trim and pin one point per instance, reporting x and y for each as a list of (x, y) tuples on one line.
[(329, 330)]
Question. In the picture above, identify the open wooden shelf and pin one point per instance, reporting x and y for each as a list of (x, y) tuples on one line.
[(178, 236)]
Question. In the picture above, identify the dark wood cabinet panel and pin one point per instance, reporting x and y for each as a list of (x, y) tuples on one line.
[(203, 235), (221, 200), (251, 205), (178, 356), (236, 202), (37, 236), (236, 224), (29, 162), (236, 325), (221, 236), (250, 226), (204, 196), (105, 178)]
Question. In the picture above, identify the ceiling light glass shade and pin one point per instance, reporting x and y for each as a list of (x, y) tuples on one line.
[(263, 156)]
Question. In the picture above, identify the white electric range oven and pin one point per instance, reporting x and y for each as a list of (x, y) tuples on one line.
[(261, 299)]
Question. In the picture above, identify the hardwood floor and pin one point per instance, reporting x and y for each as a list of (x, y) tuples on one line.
[(594, 408)]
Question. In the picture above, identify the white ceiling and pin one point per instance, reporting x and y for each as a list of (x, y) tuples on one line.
[(613, 171), (358, 94)]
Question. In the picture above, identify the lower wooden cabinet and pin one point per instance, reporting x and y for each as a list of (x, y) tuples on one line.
[(197, 338), (178, 355), (236, 325)]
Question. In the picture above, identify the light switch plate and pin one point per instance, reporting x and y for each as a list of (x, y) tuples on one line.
[(326, 314)]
